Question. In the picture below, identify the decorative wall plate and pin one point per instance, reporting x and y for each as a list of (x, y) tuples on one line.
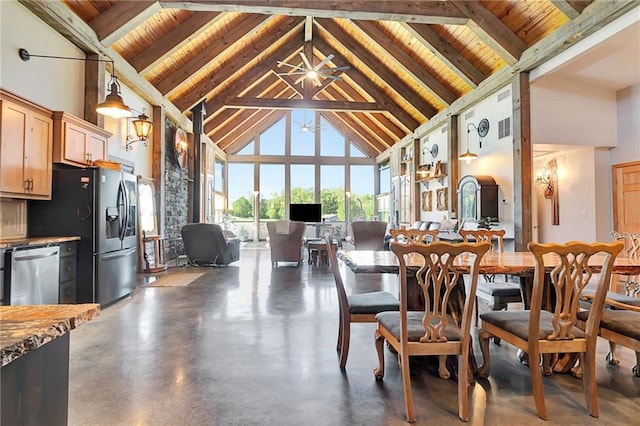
[(483, 128), (434, 150)]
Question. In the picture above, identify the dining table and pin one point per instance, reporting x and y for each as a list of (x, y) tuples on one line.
[(518, 264)]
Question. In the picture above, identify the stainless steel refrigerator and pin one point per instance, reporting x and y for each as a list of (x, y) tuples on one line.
[(99, 205)]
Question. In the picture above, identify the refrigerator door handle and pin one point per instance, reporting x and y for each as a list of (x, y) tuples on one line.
[(122, 217), (118, 254)]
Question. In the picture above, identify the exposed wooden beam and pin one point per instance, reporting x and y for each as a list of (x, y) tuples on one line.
[(246, 27), (174, 40), (446, 52), (303, 104), (59, 17), (600, 14), (566, 8), (377, 67), (492, 31), (425, 11), (121, 18), (382, 98), (250, 75), (406, 62)]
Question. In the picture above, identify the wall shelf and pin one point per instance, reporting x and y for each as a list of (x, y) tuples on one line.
[(426, 180)]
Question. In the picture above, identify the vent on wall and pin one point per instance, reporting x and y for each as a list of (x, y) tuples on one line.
[(444, 129), (504, 128), (469, 115), (504, 95)]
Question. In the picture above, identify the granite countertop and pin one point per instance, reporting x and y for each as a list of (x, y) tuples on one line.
[(26, 328), (35, 241)]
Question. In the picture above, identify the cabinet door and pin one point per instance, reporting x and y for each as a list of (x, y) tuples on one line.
[(96, 147), (12, 138), (37, 157), (75, 142)]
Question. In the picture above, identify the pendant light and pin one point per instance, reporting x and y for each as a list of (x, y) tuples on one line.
[(113, 105)]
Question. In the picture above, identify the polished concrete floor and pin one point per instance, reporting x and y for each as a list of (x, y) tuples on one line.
[(252, 345)]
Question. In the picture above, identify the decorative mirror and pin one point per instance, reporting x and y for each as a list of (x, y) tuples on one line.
[(147, 207), (477, 198), (180, 147), (426, 201), (441, 199)]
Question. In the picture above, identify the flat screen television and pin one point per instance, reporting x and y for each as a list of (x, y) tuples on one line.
[(305, 212)]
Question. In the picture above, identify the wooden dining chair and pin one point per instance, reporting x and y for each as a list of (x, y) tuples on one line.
[(358, 307), (497, 293), (537, 331), (432, 331), (630, 283), (414, 235)]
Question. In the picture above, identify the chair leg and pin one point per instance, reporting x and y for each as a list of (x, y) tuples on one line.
[(588, 361), (344, 347), (406, 386), (483, 339), (477, 308), (612, 356), (463, 386), (443, 371), (340, 327), (379, 343), (536, 384)]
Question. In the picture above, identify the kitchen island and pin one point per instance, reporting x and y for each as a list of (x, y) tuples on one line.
[(34, 353)]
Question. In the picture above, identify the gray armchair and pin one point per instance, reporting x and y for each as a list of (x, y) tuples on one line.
[(367, 235), (285, 239), (205, 245)]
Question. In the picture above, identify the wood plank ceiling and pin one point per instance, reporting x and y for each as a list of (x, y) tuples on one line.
[(407, 60)]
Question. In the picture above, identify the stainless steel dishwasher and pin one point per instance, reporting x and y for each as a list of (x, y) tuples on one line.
[(34, 276)]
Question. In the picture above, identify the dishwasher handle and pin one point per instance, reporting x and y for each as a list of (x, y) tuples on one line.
[(18, 258)]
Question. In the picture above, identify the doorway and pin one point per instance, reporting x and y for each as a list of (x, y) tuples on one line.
[(626, 197)]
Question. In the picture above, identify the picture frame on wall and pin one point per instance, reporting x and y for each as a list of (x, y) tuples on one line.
[(442, 199), (426, 201)]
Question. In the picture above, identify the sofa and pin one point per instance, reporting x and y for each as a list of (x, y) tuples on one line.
[(206, 245), (286, 238)]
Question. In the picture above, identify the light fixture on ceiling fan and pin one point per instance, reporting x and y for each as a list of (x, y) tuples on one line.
[(309, 71)]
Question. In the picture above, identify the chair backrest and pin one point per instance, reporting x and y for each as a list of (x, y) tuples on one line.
[(631, 243), (203, 242), (333, 262), (437, 277), (368, 235), (285, 240), (491, 235), (414, 235), (570, 271)]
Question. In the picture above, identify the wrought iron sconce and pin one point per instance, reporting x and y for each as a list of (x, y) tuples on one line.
[(181, 148), (143, 127), (548, 179), (113, 105), (482, 129)]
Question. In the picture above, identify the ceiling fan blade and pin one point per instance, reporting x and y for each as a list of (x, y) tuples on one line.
[(300, 79), (324, 61), (333, 77), (342, 68), (317, 82), (292, 73), (291, 66), (306, 61)]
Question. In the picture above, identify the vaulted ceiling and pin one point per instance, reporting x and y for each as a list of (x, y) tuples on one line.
[(407, 60)]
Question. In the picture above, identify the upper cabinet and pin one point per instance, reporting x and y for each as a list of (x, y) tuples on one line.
[(77, 142), (26, 135)]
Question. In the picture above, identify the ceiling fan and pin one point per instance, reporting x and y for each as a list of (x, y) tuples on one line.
[(313, 73), (309, 71), (308, 126)]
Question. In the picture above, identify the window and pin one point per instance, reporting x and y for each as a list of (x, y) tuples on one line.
[(384, 177), (241, 191), (219, 175), (272, 140), (249, 149), (354, 151), (332, 193), (361, 200), (303, 189), (303, 138), (332, 142), (272, 191)]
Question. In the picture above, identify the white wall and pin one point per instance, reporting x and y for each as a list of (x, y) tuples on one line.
[(55, 84), (496, 155), (438, 136), (628, 123), (573, 114)]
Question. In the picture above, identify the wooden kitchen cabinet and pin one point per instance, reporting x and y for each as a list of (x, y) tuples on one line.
[(77, 142), (26, 135)]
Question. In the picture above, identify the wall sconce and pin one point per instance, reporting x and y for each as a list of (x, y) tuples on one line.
[(482, 129), (181, 148), (143, 126), (544, 178), (113, 105)]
